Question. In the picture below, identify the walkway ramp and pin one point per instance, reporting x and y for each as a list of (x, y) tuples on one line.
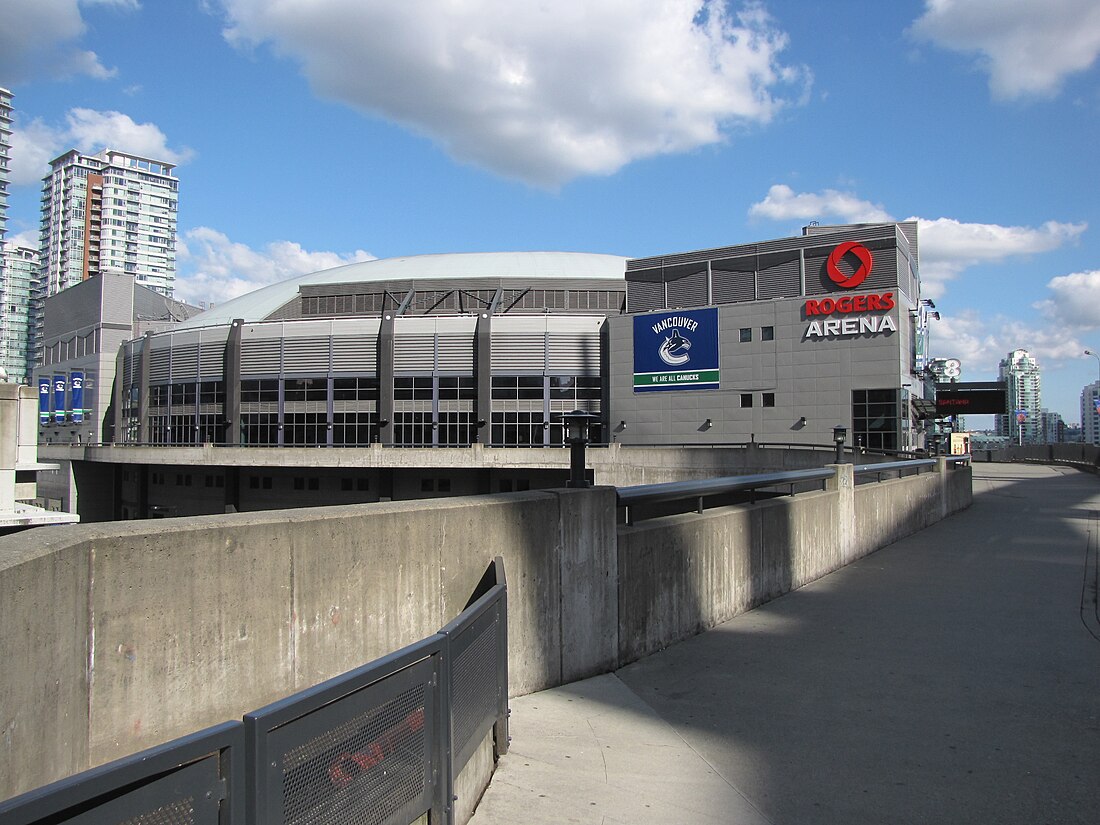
[(952, 677)]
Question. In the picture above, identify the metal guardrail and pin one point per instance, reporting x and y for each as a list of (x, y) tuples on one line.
[(380, 744), (643, 495), (629, 499)]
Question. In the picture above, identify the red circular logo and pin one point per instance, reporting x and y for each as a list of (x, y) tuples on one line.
[(857, 277)]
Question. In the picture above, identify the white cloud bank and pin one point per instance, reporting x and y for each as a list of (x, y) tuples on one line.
[(540, 92), (1074, 301), (37, 143), (39, 38), (213, 269), (947, 246), (1027, 47)]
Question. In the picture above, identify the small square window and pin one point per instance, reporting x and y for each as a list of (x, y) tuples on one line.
[(299, 483), (346, 484), (767, 333), (314, 484), (746, 334), (444, 485), (253, 483), (362, 484), (768, 400), (505, 485), (267, 482), (427, 485), (746, 399)]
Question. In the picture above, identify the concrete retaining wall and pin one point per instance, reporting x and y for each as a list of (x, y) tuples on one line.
[(119, 636)]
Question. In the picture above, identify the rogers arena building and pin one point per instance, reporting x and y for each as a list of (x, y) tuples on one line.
[(778, 341)]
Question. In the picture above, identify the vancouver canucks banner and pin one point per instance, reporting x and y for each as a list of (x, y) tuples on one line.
[(59, 386), (76, 384), (676, 350), (43, 399)]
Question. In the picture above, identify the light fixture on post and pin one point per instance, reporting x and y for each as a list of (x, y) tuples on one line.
[(577, 424), (1094, 355), (840, 435)]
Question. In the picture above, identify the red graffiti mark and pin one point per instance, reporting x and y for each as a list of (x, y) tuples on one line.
[(348, 765)]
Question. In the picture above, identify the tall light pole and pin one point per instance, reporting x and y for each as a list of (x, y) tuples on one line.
[(1097, 357)]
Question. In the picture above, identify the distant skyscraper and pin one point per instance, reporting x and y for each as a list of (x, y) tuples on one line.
[(5, 153), (18, 274), (1023, 387), (1090, 413), (109, 213)]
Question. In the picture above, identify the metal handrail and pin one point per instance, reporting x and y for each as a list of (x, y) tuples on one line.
[(699, 489), (914, 464)]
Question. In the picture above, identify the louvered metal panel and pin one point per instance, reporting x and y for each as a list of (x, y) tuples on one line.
[(355, 355), (643, 296), (574, 353), (518, 353), (884, 269), (261, 357), (455, 353), (782, 280), (308, 356), (688, 291), (160, 366), (185, 362), (732, 287), (413, 352)]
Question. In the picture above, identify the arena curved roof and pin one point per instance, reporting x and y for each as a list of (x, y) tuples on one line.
[(258, 305)]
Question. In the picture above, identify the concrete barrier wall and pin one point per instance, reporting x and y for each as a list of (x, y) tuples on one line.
[(119, 636)]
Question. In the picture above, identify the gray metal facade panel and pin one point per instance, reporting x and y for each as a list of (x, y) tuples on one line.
[(517, 352), (261, 357), (307, 356), (732, 287), (358, 354), (413, 352), (642, 296), (689, 290), (781, 280), (573, 353), (455, 353)]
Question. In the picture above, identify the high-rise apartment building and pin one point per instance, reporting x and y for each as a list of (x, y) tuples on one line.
[(109, 213), (18, 276), (1090, 413), (1023, 388), (5, 153)]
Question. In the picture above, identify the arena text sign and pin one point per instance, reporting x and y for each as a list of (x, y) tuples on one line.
[(849, 314)]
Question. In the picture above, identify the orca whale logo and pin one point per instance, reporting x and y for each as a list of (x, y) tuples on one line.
[(674, 350)]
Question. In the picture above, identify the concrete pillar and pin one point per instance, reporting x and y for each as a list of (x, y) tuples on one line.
[(843, 484), (231, 381), (589, 582), (9, 444), (385, 378)]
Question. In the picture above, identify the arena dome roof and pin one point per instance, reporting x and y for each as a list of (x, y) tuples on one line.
[(258, 305)]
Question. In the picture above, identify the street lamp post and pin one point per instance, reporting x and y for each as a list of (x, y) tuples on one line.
[(577, 423), (1097, 357), (840, 434)]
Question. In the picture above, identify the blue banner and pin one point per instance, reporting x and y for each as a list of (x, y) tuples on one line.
[(76, 381), (676, 350), (59, 386), (43, 399)]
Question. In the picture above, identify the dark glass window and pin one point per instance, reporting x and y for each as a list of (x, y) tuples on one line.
[(767, 333), (746, 399), (746, 334)]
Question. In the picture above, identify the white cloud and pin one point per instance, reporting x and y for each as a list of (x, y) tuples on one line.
[(213, 269), (783, 203), (38, 38), (1027, 47), (538, 91), (980, 343), (947, 246), (37, 143), (27, 238), (1074, 301)]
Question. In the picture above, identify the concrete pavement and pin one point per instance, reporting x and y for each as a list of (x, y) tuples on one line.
[(953, 677)]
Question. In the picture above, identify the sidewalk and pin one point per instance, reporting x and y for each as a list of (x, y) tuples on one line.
[(953, 677)]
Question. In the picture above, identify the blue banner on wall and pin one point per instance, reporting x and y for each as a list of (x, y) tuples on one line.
[(76, 382), (59, 386), (676, 350), (43, 399)]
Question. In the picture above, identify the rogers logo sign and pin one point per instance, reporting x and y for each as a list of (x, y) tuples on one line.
[(832, 266)]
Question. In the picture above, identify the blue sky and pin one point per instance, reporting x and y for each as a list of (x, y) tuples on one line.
[(309, 133)]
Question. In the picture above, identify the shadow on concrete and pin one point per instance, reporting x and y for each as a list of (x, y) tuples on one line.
[(946, 678)]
